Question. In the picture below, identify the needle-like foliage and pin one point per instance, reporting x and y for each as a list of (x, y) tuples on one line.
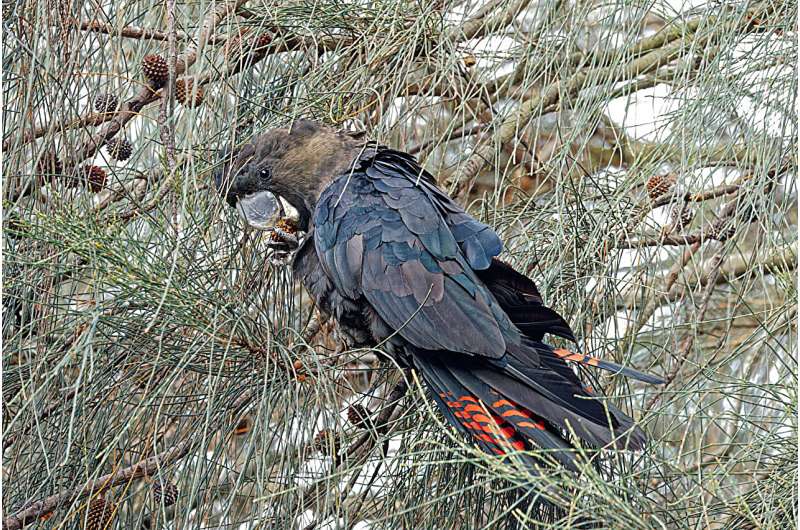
[(638, 158)]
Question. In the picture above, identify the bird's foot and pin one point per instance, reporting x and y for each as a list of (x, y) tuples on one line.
[(283, 241)]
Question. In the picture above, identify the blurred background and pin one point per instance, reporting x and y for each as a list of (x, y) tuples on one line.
[(161, 370)]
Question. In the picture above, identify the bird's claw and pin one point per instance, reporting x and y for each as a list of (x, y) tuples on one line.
[(282, 236), (282, 244)]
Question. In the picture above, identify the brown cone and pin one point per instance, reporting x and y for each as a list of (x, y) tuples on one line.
[(261, 43), (659, 185), (359, 415), (187, 94), (156, 70), (682, 215), (49, 166), (246, 47), (119, 149), (95, 177), (106, 103), (99, 514), (166, 491), (723, 229)]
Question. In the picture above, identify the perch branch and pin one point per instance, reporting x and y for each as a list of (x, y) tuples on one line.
[(463, 132), (485, 21), (666, 240), (135, 32)]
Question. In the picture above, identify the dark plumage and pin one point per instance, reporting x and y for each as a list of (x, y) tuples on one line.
[(397, 262)]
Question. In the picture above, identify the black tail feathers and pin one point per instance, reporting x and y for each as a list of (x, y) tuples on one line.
[(512, 410), (496, 424)]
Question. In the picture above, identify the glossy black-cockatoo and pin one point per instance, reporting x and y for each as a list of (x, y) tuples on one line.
[(399, 264)]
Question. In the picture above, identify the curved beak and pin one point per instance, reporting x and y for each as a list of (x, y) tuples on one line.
[(261, 210)]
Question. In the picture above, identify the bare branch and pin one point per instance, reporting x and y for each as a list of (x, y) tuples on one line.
[(134, 32), (123, 476)]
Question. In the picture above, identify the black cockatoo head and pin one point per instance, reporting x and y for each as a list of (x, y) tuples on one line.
[(295, 163)]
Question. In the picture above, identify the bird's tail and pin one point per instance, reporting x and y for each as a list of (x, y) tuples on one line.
[(496, 424), (531, 399), (588, 360)]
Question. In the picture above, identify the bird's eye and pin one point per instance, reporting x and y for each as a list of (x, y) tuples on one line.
[(264, 173)]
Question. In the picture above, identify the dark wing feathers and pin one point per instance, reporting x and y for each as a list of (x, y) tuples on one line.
[(516, 293), (478, 242), (386, 234), (520, 299), (421, 252), (406, 262)]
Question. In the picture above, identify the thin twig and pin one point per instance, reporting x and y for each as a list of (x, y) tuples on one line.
[(167, 109), (569, 88), (666, 240)]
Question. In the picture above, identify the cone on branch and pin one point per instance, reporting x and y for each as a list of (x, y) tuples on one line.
[(99, 514), (95, 178), (246, 46), (119, 149), (105, 103), (722, 229), (164, 492), (359, 415), (682, 215), (660, 185), (156, 70), (188, 93), (49, 166), (261, 43)]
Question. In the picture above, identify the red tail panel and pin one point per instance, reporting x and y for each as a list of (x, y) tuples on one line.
[(490, 423)]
